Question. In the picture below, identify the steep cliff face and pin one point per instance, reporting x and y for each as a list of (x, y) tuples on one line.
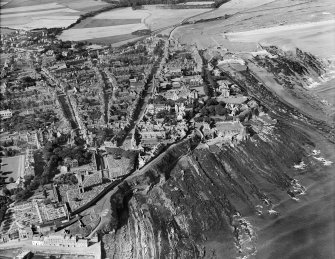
[(196, 201), (189, 204)]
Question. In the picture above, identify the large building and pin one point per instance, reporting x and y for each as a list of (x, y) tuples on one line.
[(60, 240)]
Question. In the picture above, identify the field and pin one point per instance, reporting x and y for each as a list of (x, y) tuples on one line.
[(277, 13), (13, 167), (161, 18), (32, 14), (99, 32), (92, 23), (117, 25)]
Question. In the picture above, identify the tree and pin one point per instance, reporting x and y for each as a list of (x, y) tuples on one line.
[(45, 194), (220, 110), (11, 179), (6, 191)]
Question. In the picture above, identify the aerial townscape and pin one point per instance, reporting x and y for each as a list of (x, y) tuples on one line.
[(139, 129)]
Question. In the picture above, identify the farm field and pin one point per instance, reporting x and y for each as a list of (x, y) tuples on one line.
[(118, 24), (99, 32), (161, 18), (3, 3), (153, 16), (32, 14), (91, 23)]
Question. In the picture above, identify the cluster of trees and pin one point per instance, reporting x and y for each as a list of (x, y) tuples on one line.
[(70, 179), (90, 101), (136, 4), (30, 122), (103, 135), (164, 113), (8, 151), (161, 100), (159, 49), (4, 201), (142, 32), (55, 152), (27, 81), (7, 143), (211, 108)]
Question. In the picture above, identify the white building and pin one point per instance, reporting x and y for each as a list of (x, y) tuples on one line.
[(60, 240), (6, 114)]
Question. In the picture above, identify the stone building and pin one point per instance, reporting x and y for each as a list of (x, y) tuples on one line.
[(60, 240)]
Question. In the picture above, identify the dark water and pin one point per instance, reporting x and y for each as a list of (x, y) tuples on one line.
[(306, 228)]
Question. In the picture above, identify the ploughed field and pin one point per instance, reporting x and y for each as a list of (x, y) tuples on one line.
[(34, 14), (119, 24)]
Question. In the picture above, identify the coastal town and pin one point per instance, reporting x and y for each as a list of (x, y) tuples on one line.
[(77, 118)]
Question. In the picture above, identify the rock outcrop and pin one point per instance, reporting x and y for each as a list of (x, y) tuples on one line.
[(194, 201)]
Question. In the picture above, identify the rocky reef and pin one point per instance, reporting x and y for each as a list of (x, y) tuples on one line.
[(196, 201), (190, 203)]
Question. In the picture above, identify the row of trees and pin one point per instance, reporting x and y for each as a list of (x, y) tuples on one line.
[(137, 3)]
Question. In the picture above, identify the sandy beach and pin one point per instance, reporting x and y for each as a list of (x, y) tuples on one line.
[(306, 36)]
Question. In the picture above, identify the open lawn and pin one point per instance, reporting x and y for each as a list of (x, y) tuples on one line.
[(12, 167)]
